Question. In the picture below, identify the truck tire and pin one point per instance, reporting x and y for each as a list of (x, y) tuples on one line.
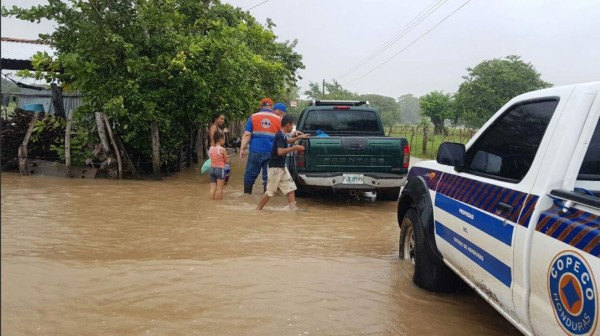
[(427, 274)]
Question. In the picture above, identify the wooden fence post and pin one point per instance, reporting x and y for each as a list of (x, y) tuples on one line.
[(114, 144), (412, 136), (127, 158), (425, 135), (23, 152), (102, 132)]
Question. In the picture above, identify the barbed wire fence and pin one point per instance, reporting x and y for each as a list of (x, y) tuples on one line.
[(424, 143)]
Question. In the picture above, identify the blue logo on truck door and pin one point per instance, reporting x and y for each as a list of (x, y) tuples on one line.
[(572, 290)]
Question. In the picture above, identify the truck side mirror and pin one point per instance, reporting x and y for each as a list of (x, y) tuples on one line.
[(451, 154)]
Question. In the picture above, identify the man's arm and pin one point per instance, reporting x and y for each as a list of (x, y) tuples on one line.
[(298, 137), (245, 141), (211, 134), (285, 151)]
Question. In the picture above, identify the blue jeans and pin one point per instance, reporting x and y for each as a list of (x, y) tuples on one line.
[(216, 173), (256, 162)]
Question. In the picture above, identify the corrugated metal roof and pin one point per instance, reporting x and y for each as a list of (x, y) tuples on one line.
[(70, 101), (19, 49)]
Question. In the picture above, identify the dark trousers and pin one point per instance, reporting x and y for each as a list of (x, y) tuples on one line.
[(256, 163)]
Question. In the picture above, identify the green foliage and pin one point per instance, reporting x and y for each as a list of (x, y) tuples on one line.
[(50, 132), (387, 106), (286, 98), (80, 147), (491, 84), (415, 134), (389, 109), (410, 108), (333, 91), (47, 124), (174, 62), (438, 107)]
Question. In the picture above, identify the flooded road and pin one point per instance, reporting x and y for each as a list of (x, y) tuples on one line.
[(99, 257)]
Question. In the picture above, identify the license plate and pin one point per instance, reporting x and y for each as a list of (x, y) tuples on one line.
[(352, 179)]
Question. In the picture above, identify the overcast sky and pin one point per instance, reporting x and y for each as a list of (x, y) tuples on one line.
[(560, 38)]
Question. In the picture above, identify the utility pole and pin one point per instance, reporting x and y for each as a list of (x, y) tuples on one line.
[(323, 94)]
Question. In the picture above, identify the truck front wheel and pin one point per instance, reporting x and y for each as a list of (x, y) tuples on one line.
[(427, 273)]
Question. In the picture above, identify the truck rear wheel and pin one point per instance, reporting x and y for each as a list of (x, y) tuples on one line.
[(427, 273)]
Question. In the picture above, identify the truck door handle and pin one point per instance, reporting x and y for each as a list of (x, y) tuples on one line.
[(503, 209)]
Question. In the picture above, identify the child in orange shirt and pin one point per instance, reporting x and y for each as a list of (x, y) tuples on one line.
[(218, 160)]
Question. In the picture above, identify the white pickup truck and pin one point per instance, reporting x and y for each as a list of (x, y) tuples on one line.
[(515, 213)]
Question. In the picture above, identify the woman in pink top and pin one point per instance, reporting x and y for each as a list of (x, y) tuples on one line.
[(218, 160)]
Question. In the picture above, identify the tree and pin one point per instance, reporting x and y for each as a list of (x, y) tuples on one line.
[(163, 64), (288, 97), (409, 108), (314, 91), (389, 109), (491, 84), (333, 91), (437, 106)]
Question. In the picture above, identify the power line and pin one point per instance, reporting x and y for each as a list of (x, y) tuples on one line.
[(408, 46), (430, 9), (257, 5)]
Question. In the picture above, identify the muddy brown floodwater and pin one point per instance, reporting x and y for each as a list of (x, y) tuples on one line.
[(100, 257)]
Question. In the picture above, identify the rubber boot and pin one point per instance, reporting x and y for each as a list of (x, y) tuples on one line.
[(247, 188)]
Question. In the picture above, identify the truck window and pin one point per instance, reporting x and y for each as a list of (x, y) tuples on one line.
[(507, 148), (342, 121), (590, 168)]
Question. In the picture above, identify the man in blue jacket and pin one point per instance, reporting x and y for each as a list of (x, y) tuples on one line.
[(259, 133)]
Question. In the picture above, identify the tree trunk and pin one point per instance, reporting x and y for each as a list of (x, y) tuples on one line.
[(102, 133), (202, 140), (114, 144), (198, 144), (23, 148), (155, 152), (190, 149), (68, 170), (179, 158)]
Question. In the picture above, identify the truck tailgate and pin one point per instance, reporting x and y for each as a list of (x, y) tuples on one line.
[(354, 154)]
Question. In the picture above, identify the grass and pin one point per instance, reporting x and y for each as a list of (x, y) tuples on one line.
[(414, 135)]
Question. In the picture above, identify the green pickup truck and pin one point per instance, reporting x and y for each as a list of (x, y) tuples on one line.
[(348, 152)]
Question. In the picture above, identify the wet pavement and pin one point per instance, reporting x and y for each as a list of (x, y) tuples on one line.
[(101, 257)]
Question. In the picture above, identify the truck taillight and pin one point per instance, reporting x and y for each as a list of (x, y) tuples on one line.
[(300, 158), (406, 156)]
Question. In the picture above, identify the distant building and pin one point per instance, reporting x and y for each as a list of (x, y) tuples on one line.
[(16, 55)]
